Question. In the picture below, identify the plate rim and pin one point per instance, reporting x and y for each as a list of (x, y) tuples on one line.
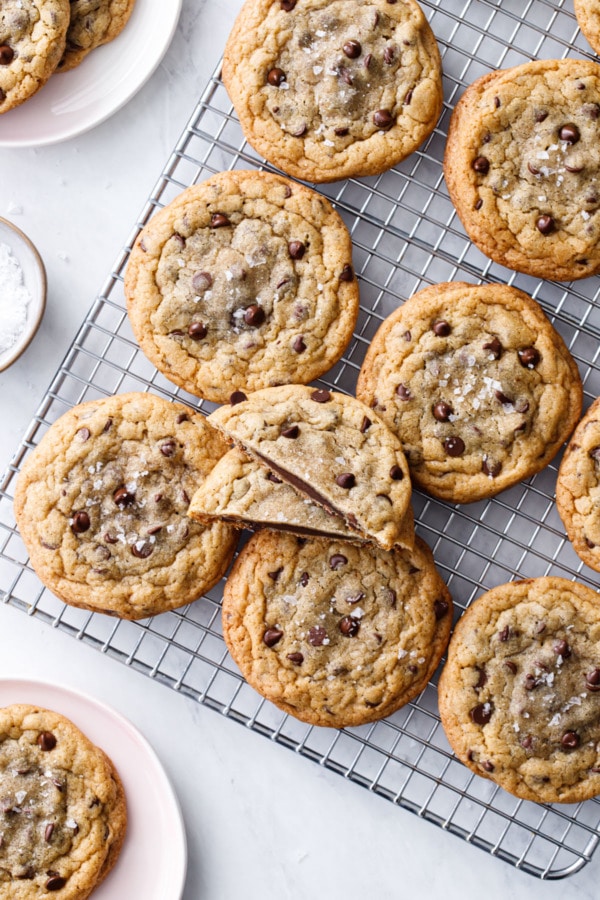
[(49, 140), (124, 723)]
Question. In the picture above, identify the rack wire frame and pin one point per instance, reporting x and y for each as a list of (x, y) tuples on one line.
[(406, 236)]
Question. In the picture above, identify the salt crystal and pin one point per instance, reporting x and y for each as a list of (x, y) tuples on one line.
[(14, 299), (402, 653), (317, 69), (14, 209), (329, 143)]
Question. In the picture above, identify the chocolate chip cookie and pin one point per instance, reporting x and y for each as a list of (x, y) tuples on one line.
[(332, 449), (588, 19), (62, 805), (522, 163), (519, 695), (92, 23), (243, 282), (334, 633), (32, 41), (476, 383), (578, 488), (328, 90), (101, 504), (241, 491)]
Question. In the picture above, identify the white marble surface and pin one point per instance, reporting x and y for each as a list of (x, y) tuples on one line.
[(261, 822)]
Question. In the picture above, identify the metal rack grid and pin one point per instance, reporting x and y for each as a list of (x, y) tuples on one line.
[(406, 236)]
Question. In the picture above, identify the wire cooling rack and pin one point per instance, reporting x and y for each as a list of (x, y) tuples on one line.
[(406, 236)]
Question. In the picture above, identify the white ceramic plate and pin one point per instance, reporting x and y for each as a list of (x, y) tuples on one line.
[(153, 860), (34, 279), (72, 102)]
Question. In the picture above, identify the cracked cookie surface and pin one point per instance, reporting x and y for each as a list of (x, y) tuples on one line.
[(332, 449), (333, 633), (32, 40), (477, 384), (520, 693), (242, 282), (588, 19), (329, 90), (101, 505), (241, 491), (62, 806), (578, 488), (522, 166), (92, 23)]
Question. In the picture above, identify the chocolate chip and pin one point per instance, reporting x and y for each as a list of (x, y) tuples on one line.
[(569, 133), (317, 636), (595, 453), (301, 131), (502, 398), (337, 561), (349, 626), (342, 132), (6, 55), (511, 666), (562, 649), (304, 579), (142, 550), (355, 598), (529, 357), (46, 740), (254, 315), (291, 432), (346, 76), (154, 529), (490, 467), (570, 740), (48, 832), (275, 575), (296, 249), (441, 328), (201, 281), (80, 522), (197, 331), (571, 168), (218, 220), (55, 883), (592, 680), (481, 164), (454, 446), (123, 497), (110, 538), (482, 680), (287, 5), (272, 477), (403, 392), (505, 634), (440, 608), (482, 713), (487, 765), (531, 682), (272, 636), (479, 204), (299, 346), (168, 448), (408, 97), (27, 874), (237, 397), (276, 77), (541, 116), (296, 658), (533, 169), (346, 480), (413, 669), (407, 336), (352, 49), (442, 411), (179, 239), (545, 224), (321, 396), (83, 434), (497, 102), (347, 273), (388, 55), (365, 424), (396, 473), (383, 119)]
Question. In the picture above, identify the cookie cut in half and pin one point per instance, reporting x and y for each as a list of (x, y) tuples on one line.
[(578, 488), (92, 24), (477, 384), (242, 282), (64, 807), (331, 449), (328, 90), (520, 692), (32, 40), (101, 505), (241, 491), (522, 163), (333, 633)]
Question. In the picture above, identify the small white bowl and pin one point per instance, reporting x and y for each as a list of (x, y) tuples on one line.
[(34, 277)]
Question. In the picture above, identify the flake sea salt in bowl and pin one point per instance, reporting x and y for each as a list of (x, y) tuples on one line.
[(22, 292)]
